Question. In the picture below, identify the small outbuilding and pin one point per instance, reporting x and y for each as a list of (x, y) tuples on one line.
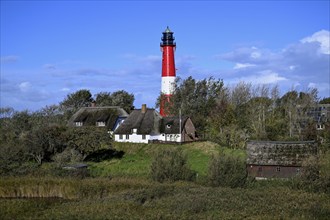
[(275, 159)]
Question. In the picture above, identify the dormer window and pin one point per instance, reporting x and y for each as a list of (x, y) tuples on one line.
[(100, 124), (78, 123)]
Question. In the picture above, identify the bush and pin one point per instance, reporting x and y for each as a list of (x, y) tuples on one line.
[(69, 155), (171, 165), (311, 169), (315, 176), (227, 170)]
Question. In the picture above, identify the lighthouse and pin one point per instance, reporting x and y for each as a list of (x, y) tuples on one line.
[(168, 71)]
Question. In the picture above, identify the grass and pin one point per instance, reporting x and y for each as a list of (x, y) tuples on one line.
[(129, 193), (138, 157), (130, 198)]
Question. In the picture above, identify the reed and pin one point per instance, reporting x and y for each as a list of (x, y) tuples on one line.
[(30, 187), (134, 198), (67, 188)]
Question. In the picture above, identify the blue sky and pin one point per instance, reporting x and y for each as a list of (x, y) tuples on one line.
[(52, 48)]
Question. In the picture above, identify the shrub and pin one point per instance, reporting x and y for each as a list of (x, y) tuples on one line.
[(227, 170), (69, 155), (311, 169), (315, 176), (171, 165)]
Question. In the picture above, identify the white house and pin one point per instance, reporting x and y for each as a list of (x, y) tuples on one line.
[(146, 125)]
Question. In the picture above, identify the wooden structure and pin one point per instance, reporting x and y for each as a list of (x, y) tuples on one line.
[(274, 159)]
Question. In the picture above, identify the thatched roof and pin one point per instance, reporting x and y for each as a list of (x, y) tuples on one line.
[(171, 125), (145, 123), (279, 153), (91, 115)]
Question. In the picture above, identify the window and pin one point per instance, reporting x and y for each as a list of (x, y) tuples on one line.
[(100, 124), (127, 136), (278, 169), (78, 123), (143, 137), (120, 137)]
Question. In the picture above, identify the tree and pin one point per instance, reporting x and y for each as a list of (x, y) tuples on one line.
[(258, 109), (123, 99), (295, 107), (43, 142), (11, 153), (195, 99), (87, 141), (103, 99), (76, 100), (49, 115), (119, 98), (241, 94), (239, 97), (325, 101), (6, 112), (289, 102)]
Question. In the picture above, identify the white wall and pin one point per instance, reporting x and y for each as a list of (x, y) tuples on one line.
[(137, 138), (167, 137), (173, 137), (133, 138)]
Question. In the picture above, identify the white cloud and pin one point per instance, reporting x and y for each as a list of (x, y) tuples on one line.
[(323, 38), (65, 90), (255, 55), (25, 86), (262, 77), (292, 67), (321, 87), (243, 65), (269, 77), (312, 85), (299, 63)]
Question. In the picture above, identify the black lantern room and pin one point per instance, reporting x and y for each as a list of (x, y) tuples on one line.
[(167, 39)]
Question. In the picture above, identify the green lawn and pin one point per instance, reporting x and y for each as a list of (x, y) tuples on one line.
[(138, 157)]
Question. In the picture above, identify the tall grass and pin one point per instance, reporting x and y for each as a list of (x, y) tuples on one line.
[(66, 188), (28, 187), (129, 198)]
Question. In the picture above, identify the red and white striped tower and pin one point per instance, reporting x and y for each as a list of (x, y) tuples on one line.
[(168, 70)]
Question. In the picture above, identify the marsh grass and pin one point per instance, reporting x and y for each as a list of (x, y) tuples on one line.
[(129, 198), (28, 187)]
